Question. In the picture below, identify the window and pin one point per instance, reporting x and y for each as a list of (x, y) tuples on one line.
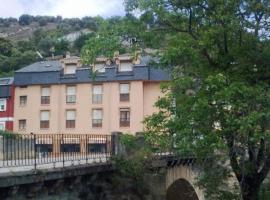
[(2, 126), (45, 95), (23, 100), (70, 69), (70, 118), (100, 68), (97, 94), (71, 94), (125, 67), (3, 104), (124, 117), (4, 81), (97, 118), (45, 119), (22, 124), (124, 92)]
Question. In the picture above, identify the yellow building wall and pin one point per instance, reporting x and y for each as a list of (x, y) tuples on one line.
[(143, 95)]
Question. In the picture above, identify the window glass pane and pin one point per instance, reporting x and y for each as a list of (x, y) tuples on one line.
[(44, 115), (124, 88), (46, 91), (2, 104), (125, 66), (71, 90), (97, 89), (97, 114), (71, 69), (100, 67), (22, 124), (23, 100), (2, 126), (71, 114)]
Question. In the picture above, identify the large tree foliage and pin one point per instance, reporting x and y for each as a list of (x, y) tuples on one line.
[(126, 34), (218, 105)]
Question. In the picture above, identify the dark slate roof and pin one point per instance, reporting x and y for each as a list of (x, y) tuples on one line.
[(5, 91), (43, 66), (5, 87), (40, 73)]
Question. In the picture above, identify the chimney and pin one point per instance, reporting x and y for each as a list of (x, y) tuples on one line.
[(108, 62), (137, 59), (67, 54), (116, 54), (117, 61)]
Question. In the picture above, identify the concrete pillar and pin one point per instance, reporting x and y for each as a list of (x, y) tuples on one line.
[(117, 148), (83, 145), (56, 145)]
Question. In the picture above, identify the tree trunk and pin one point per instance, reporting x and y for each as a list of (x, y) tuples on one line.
[(250, 190)]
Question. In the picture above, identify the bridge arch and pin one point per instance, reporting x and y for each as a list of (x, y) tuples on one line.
[(180, 183)]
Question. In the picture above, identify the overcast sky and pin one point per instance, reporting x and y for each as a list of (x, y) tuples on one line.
[(65, 8)]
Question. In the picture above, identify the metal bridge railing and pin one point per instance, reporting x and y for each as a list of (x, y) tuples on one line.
[(54, 150)]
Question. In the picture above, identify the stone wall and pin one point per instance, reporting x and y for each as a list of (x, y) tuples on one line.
[(99, 186)]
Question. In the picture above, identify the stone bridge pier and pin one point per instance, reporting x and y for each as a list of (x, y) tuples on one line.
[(174, 180)]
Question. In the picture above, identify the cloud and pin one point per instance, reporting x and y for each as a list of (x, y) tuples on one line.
[(80, 8), (65, 8)]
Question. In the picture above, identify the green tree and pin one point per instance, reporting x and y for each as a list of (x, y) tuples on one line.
[(5, 47), (25, 19), (217, 104), (123, 34), (61, 47), (81, 40)]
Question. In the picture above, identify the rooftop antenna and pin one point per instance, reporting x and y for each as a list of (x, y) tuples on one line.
[(39, 55)]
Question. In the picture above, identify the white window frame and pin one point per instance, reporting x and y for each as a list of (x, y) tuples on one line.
[(20, 128), (100, 68), (125, 67), (97, 96), (4, 125), (4, 104), (68, 69), (122, 88), (70, 96)]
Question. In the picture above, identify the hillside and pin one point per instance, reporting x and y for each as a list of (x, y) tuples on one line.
[(24, 27), (21, 39), (17, 32)]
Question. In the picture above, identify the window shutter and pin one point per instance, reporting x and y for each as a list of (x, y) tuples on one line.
[(125, 67), (97, 89), (97, 114), (71, 90), (71, 69), (71, 115), (46, 91), (45, 115), (124, 88)]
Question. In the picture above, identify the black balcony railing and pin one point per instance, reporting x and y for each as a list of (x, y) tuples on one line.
[(54, 150)]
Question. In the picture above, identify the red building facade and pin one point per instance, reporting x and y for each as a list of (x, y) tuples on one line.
[(6, 103)]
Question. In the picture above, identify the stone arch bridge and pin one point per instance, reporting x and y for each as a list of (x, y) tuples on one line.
[(168, 179), (25, 169), (174, 178)]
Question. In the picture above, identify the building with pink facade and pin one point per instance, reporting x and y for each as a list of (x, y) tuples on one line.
[(69, 98)]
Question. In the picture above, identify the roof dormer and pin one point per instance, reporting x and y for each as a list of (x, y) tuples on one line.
[(124, 63), (70, 64), (100, 64)]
